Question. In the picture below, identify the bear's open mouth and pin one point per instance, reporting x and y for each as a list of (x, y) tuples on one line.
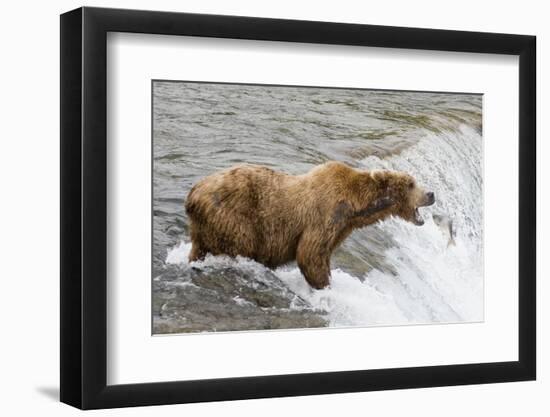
[(428, 200), (417, 218)]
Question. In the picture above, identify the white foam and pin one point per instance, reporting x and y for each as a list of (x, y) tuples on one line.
[(348, 301), (179, 254)]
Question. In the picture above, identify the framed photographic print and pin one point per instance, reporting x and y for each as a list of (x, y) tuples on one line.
[(258, 207)]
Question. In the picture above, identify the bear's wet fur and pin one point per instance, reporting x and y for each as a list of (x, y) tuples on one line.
[(275, 218)]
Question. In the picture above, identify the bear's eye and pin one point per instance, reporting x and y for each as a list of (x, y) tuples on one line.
[(411, 185)]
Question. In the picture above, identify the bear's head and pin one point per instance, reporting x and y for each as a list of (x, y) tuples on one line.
[(398, 194)]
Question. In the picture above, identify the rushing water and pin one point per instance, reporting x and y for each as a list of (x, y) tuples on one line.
[(387, 274)]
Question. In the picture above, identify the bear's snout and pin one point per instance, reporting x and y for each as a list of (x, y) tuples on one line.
[(430, 198)]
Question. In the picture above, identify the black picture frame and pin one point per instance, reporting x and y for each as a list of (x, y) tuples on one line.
[(84, 207)]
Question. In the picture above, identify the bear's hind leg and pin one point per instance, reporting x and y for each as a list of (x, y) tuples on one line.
[(196, 253)]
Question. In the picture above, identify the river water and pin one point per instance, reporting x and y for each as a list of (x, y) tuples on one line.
[(391, 273)]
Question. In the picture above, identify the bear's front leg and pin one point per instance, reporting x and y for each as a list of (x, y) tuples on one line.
[(313, 258)]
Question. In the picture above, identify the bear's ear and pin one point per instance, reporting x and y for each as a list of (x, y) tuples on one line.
[(381, 179)]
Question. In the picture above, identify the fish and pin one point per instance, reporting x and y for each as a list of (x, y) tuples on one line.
[(445, 224)]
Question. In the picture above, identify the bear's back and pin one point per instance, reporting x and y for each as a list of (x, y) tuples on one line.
[(240, 188)]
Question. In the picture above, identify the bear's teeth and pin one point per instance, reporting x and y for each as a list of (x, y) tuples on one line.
[(418, 220)]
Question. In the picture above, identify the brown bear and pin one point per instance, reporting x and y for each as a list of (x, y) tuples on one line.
[(275, 218)]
